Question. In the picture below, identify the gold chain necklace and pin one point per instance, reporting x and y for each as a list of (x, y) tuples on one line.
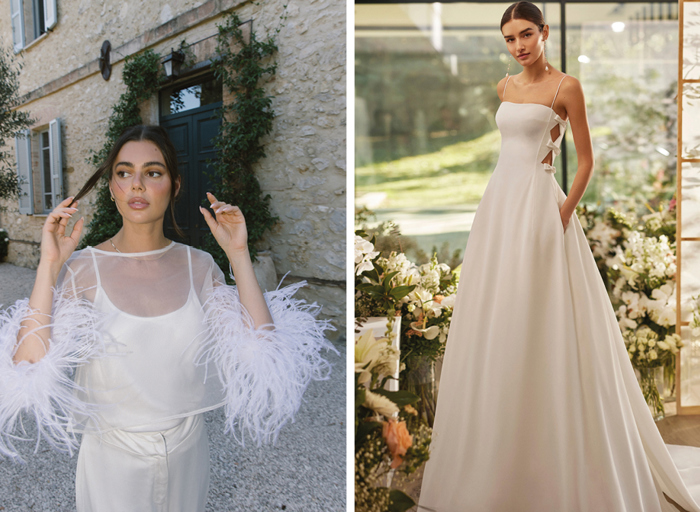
[(115, 247)]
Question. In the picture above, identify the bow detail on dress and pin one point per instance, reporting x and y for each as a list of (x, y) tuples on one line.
[(550, 168), (555, 149)]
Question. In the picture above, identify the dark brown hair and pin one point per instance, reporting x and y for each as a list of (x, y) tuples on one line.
[(523, 11), (158, 136)]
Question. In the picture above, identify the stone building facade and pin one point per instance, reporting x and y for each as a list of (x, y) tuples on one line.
[(63, 88)]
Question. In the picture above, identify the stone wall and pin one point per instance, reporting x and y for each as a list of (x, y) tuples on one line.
[(304, 171)]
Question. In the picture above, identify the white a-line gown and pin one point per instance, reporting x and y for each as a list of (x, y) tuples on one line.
[(539, 408)]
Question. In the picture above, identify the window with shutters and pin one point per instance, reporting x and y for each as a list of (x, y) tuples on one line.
[(40, 169), (31, 19)]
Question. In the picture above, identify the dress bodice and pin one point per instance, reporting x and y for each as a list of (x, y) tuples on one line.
[(148, 380), (526, 130)]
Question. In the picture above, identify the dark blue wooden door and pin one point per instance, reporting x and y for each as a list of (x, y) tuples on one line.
[(192, 133)]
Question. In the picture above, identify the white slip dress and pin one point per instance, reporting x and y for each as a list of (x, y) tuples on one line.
[(161, 467), (539, 408)]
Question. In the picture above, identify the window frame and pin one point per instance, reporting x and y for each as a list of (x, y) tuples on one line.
[(44, 17), (32, 147)]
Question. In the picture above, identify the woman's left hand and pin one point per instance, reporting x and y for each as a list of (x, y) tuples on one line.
[(227, 226), (565, 219)]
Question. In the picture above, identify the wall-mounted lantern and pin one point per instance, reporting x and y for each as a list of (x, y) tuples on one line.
[(172, 63)]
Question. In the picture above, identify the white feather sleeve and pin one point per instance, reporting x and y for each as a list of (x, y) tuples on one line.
[(45, 390), (264, 372)]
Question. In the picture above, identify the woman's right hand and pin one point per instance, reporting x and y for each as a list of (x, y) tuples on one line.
[(56, 247)]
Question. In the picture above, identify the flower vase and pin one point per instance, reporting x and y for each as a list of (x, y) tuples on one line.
[(420, 379), (669, 394), (650, 379)]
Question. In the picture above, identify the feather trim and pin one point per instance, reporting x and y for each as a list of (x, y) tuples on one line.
[(264, 372), (45, 390)]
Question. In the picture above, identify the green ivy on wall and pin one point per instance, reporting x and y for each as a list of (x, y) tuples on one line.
[(243, 67), (141, 77)]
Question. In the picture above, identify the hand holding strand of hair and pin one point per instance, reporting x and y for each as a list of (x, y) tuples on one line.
[(56, 246)]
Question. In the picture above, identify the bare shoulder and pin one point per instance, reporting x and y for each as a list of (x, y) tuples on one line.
[(571, 89)]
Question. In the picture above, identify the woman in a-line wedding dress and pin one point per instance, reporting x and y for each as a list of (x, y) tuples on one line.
[(539, 408)]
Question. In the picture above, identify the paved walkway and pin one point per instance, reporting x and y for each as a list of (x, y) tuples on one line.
[(305, 472)]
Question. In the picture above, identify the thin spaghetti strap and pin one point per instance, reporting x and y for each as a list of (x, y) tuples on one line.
[(189, 263), (556, 93), (97, 272), (504, 88)]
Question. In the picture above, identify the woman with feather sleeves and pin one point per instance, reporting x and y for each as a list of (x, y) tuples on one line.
[(129, 342)]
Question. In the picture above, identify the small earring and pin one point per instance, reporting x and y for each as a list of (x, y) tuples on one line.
[(546, 65)]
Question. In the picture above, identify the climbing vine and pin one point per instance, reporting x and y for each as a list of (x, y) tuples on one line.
[(243, 67), (141, 77)]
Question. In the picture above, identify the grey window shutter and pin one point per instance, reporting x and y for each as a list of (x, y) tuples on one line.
[(50, 16), (56, 162), (17, 24), (23, 152)]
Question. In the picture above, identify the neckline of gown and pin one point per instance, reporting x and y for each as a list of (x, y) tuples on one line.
[(143, 253), (540, 104)]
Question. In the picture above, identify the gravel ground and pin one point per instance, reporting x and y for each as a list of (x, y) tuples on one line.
[(305, 471)]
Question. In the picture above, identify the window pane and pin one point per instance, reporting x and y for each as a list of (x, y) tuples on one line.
[(183, 98), (690, 204), (691, 40), (46, 171), (691, 124), (626, 57)]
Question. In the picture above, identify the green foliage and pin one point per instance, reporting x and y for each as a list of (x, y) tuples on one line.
[(141, 77), (399, 501), (11, 121), (243, 67)]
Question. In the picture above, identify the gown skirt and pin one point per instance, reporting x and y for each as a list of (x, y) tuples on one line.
[(539, 407)]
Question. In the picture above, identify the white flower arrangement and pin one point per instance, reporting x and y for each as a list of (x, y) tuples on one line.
[(364, 254), (646, 349), (636, 257), (374, 357), (426, 310)]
